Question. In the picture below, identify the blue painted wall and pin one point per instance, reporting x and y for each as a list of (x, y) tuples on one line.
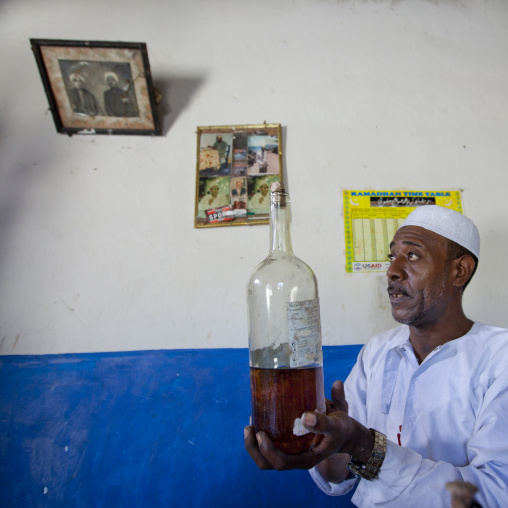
[(140, 429)]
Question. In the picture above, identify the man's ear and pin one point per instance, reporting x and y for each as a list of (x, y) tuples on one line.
[(465, 266)]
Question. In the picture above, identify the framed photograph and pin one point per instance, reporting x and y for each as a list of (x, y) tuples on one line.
[(98, 87), (236, 166)]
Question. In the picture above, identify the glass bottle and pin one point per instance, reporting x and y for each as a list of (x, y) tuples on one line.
[(285, 355)]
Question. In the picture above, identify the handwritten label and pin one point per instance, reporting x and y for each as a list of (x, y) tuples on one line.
[(304, 327)]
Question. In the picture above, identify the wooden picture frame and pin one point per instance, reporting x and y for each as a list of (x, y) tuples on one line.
[(97, 87), (235, 167)]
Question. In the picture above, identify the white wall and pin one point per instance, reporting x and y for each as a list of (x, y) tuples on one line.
[(98, 250)]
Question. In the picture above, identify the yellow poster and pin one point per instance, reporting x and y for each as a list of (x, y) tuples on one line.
[(371, 218)]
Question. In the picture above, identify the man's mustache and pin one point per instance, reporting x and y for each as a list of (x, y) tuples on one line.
[(396, 289)]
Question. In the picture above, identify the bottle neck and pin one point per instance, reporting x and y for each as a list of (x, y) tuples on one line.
[(280, 233)]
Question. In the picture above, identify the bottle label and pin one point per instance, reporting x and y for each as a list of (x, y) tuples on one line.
[(304, 326)]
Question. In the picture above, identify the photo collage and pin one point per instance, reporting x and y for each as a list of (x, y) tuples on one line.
[(237, 168)]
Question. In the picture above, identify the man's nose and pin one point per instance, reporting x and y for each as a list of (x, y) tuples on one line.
[(395, 270)]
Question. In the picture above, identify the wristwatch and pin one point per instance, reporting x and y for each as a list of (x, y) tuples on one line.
[(370, 471)]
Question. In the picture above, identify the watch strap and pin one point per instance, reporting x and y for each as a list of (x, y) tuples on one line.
[(370, 471)]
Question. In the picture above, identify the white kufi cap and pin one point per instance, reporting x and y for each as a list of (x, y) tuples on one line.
[(448, 223)]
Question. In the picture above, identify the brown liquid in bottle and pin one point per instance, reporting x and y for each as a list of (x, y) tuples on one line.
[(279, 396)]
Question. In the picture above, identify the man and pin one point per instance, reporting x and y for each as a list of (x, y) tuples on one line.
[(261, 160), (259, 201), (213, 198), (117, 101), (239, 189), (437, 386), (239, 194), (221, 146), (82, 101)]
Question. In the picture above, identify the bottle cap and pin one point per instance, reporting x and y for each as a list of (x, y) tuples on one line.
[(278, 195)]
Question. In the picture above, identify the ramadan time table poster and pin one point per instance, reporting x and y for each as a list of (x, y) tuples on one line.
[(371, 218)]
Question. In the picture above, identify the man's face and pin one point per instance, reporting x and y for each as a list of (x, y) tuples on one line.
[(264, 189), (77, 81), (419, 278), (111, 81), (214, 191)]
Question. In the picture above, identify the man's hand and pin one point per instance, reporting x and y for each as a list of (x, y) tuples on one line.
[(333, 469), (335, 429), (338, 402), (341, 434)]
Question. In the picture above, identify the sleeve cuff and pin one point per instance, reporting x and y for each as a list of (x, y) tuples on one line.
[(333, 489), (397, 472)]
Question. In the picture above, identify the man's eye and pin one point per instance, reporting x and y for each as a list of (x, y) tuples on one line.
[(391, 257), (412, 256)]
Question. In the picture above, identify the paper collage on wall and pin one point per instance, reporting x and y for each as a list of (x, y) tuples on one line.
[(236, 166)]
